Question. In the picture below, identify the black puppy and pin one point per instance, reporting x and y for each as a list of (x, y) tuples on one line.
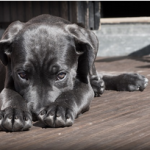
[(50, 73)]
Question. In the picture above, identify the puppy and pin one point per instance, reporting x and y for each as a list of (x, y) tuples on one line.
[(50, 74)]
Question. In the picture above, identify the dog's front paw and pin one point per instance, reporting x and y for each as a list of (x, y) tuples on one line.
[(14, 119), (57, 115), (132, 82)]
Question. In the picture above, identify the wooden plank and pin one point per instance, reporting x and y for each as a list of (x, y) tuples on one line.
[(6, 11), (126, 20), (96, 15), (36, 8), (91, 15), (73, 11), (82, 13), (28, 10), (54, 8), (1, 11), (64, 10), (20, 10), (116, 120), (13, 10), (45, 7)]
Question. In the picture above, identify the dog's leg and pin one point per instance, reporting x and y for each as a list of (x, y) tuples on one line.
[(126, 82), (2, 76), (97, 83), (68, 106), (14, 114)]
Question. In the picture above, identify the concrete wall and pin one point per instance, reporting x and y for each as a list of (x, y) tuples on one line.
[(123, 39)]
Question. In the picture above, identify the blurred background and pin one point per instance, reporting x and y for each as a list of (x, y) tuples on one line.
[(123, 28)]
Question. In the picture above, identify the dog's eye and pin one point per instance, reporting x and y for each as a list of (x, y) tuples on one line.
[(61, 76), (23, 75)]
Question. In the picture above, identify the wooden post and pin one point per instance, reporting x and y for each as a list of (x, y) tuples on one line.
[(82, 13), (85, 13), (91, 15), (96, 15)]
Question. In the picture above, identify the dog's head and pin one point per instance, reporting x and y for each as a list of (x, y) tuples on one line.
[(43, 60)]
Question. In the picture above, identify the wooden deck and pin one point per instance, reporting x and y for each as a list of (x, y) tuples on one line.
[(116, 120)]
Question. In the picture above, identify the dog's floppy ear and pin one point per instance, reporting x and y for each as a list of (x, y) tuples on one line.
[(86, 44), (7, 39)]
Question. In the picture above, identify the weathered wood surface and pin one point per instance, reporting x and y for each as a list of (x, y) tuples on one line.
[(116, 120), (74, 11)]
